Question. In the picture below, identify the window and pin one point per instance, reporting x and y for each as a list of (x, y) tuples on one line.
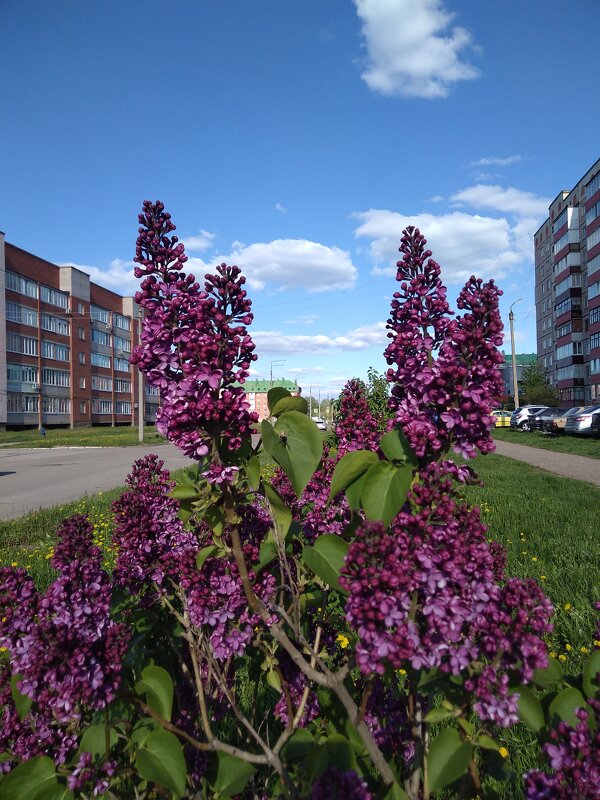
[(570, 349), (100, 337), (55, 324), (122, 364), (594, 290), (592, 213), (23, 315), (99, 314), (594, 341), (101, 406), (56, 377), (54, 297), (593, 265), (82, 407), (594, 366), (56, 405), (123, 407), (80, 308), (81, 333), (569, 373), (122, 322), (559, 221), (572, 281), (22, 403), (593, 239), (20, 284), (82, 382), (562, 242), (53, 350), (26, 345), (152, 391), (564, 330), (82, 358), (122, 344), (594, 316), (21, 373), (570, 304), (100, 360), (101, 384), (122, 385), (592, 186)]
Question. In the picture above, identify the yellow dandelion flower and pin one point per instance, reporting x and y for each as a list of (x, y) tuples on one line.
[(596, 642), (503, 752), (534, 558), (401, 672), (552, 654), (542, 577), (567, 606), (562, 657), (568, 648), (343, 640), (14, 564), (3, 649), (584, 650)]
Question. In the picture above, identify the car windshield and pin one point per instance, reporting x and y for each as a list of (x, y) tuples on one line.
[(572, 411), (590, 409), (518, 410)]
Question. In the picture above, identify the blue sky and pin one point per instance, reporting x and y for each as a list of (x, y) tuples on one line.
[(297, 139)]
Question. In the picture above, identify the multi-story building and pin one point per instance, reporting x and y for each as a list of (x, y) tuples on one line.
[(65, 344), (256, 392), (522, 361), (567, 291)]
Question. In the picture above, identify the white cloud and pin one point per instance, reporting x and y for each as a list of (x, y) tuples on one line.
[(357, 339), (437, 198), (304, 370), (293, 264), (118, 276), (509, 200), (280, 207), (502, 162), (462, 244), (304, 319), (413, 50), (202, 241)]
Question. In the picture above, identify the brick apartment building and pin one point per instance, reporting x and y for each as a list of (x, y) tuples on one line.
[(567, 291), (65, 344), (257, 390)]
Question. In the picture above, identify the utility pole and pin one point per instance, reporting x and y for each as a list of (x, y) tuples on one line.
[(140, 385), (511, 319), (274, 364), (310, 401)]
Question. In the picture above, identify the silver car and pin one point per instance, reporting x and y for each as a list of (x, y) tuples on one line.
[(581, 423), (521, 417)]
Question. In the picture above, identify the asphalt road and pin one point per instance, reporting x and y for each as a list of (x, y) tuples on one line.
[(44, 477)]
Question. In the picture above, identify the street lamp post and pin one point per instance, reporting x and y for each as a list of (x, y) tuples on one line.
[(275, 364), (511, 319)]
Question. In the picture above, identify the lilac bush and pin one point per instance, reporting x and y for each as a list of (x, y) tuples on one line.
[(342, 628)]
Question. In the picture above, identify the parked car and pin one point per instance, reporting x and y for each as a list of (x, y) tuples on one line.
[(521, 417), (557, 424), (595, 427), (538, 420), (320, 423), (581, 423), (501, 419)]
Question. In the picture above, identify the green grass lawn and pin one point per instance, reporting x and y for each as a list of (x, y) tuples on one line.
[(577, 445), (122, 436)]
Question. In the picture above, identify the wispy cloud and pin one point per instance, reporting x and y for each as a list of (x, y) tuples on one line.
[(199, 243), (279, 343), (501, 162), (413, 49), (513, 201), (304, 319), (118, 276), (280, 207)]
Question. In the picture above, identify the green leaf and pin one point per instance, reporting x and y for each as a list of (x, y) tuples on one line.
[(286, 404), (56, 792), (296, 445), (564, 704), (210, 551), (161, 761), (530, 709), (349, 468), (439, 715), (354, 491), (266, 554), (184, 492), (396, 793), (214, 516), (553, 673), (335, 751), (326, 558), (157, 685), (282, 515), (298, 746), (590, 671), (27, 781), (448, 759), (228, 774), (486, 742), (94, 740), (276, 394), (253, 472), (395, 447), (21, 701), (384, 490)]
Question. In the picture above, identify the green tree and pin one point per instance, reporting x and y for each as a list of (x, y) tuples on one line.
[(534, 388)]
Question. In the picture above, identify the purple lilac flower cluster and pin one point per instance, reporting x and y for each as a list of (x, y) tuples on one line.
[(195, 347), (335, 784), (87, 775), (70, 653), (215, 596), (149, 536), (444, 401), (574, 755), (296, 682), (425, 592), (313, 512), (356, 428)]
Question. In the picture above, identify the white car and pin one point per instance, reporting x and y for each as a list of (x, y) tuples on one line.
[(320, 423), (521, 417)]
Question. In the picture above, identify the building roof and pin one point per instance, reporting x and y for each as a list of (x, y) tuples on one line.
[(264, 386), (522, 359)]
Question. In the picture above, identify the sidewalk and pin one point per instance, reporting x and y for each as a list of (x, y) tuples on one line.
[(565, 464)]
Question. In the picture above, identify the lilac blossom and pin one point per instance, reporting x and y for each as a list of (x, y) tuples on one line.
[(195, 347), (356, 428), (335, 784), (446, 400)]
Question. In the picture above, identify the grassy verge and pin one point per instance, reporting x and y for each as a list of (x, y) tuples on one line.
[(576, 445), (81, 437)]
